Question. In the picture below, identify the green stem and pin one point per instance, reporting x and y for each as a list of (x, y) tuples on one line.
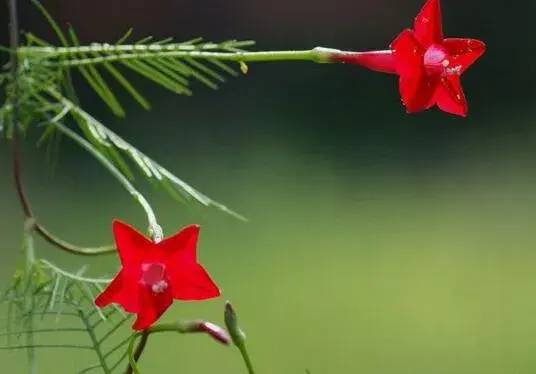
[(129, 52), (37, 331), (74, 276), (164, 327), (95, 343), (149, 212), (247, 359), (29, 254), (183, 327), (134, 356), (34, 346), (237, 335)]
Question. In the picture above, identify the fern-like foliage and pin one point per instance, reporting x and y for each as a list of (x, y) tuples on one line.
[(41, 95), (41, 294), (113, 147), (172, 65), (47, 98)]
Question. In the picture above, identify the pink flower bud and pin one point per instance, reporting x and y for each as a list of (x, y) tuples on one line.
[(215, 331)]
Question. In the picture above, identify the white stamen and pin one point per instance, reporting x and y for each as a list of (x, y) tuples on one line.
[(159, 287)]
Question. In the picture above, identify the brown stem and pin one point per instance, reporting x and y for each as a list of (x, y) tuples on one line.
[(14, 95), (70, 248), (139, 350), (17, 177), (38, 227)]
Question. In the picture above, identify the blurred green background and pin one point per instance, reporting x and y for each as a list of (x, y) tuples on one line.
[(378, 242)]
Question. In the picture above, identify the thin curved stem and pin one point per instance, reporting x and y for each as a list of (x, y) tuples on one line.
[(182, 327), (133, 358), (15, 143), (14, 124), (74, 276), (25, 203), (71, 248), (156, 230), (26, 208)]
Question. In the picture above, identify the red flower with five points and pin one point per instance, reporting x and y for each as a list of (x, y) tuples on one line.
[(153, 274), (429, 66)]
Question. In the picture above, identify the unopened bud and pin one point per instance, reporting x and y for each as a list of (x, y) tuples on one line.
[(237, 335), (215, 331)]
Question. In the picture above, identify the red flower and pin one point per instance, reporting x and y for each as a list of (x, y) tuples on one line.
[(153, 274), (429, 66)]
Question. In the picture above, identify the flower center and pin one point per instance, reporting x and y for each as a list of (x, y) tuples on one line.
[(154, 277), (436, 60)]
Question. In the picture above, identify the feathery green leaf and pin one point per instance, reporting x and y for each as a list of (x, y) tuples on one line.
[(106, 141), (167, 63), (50, 290)]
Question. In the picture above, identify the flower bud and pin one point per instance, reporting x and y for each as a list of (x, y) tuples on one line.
[(237, 335), (215, 331)]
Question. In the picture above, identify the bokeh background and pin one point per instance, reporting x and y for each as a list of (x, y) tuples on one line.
[(378, 242)]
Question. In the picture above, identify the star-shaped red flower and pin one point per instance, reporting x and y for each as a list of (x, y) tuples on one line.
[(153, 274), (429, 66)]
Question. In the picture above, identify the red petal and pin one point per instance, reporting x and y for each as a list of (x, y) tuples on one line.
[(133, 247), (417, 92), (382, 61), (463, 52), (120, 291), (182, 246), (427, 25), (415, 87), (450, 97), (408, 53), (152, 306), (193, 283)]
